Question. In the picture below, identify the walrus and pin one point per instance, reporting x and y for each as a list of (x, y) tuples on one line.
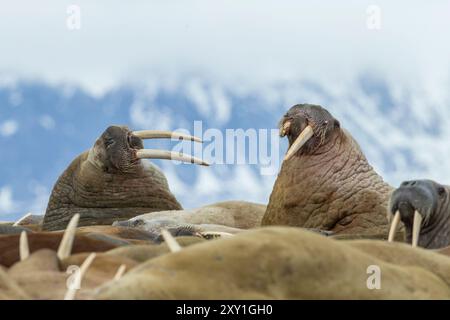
[(211, 221), (424, 208), (110, 181), (286, 263), (177, 229), (234, 214), (10, 248), (9, 229), (325, 181), (50, 274)]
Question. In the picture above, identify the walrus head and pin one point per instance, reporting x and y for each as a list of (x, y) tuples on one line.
[(119, 150), (424, 208), (109, 182), (155, 226), (325, 181), (307, 127)]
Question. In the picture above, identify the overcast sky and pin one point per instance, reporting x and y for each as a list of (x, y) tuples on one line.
[(216, 47), (253, 41)]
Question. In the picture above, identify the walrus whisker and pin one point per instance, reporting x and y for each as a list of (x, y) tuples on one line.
[(304, 137), (284, 130), (168, 155), (21, 219), (417, 224), (157, 134), (65, 247), (120, 272), (170, 241), (71, 292), (24, 249), (394, 226)]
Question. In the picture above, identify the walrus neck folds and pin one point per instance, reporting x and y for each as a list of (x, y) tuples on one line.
[(333, 188), (103, 198)]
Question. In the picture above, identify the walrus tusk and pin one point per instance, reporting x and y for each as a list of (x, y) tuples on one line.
[(168, 155), (157, 134), (24, 249), (21, 219), (65, 247), (70, 293), (120, 272), (285, 128), (304, 136), (417, 224), (394, 226), (170, 241)]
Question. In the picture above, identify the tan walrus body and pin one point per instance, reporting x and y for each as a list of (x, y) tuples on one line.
[(287, 263)]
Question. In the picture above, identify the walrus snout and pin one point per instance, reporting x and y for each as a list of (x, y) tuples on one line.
[(414, 196), (307, 127), (414, 203), (122, 147), (118, 223)]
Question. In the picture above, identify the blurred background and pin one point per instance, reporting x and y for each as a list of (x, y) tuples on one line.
[(70, 69)]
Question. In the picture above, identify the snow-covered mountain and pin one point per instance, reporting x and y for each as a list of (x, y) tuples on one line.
[(404, 133)]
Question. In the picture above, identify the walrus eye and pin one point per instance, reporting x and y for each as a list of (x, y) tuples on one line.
[(441, 191), (137, 223), (109, 142)]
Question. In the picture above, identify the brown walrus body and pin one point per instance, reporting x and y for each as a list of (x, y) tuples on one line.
[(110, 182), (104, 198), (328, 182)]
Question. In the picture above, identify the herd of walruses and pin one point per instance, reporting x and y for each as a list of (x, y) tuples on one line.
[(114, 230)]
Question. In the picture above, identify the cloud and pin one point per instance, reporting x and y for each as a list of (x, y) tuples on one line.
[(7, 204), (147, 114), (196, 92), (8, 128), (47, 122), (239, 43), (39, 202), (221, 104), (15, 98), (211, 52)]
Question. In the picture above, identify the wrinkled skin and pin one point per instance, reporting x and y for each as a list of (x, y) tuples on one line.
[(9, 229), (108, 183), (432, 201), (328, 184)]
